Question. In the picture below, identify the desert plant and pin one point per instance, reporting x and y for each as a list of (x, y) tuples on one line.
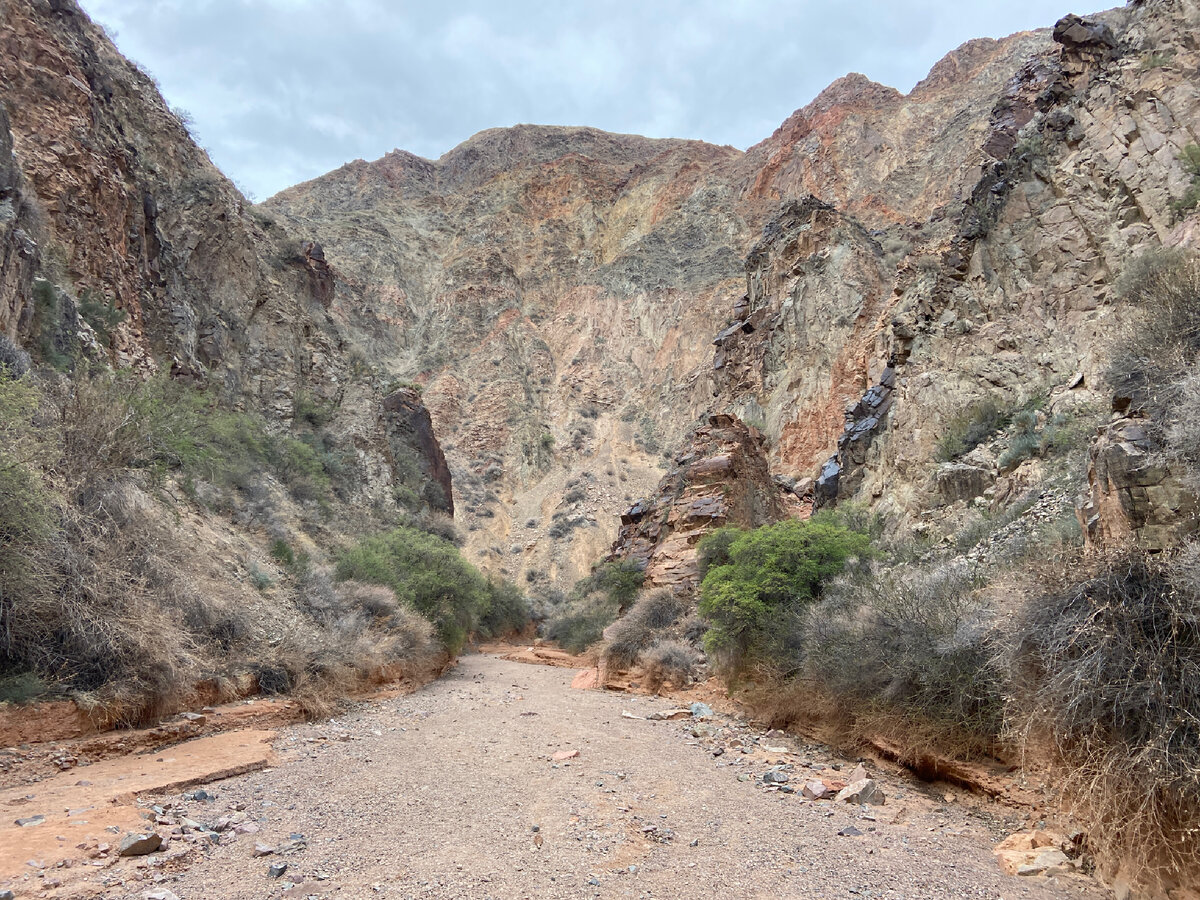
[(619, 579), (968, 429), (581, 621), (426, 572), (754, 600), (1105, 669), (668, 662), (507, 610), (913, 641), (636, 630), (1151, 356)]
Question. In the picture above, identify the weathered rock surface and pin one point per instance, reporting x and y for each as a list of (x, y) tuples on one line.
[(876, 266), (720, 478), (1133, 492)]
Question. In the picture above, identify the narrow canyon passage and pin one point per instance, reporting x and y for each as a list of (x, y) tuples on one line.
[(454, 791)]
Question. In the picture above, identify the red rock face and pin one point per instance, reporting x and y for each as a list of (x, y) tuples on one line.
[(720, 478)]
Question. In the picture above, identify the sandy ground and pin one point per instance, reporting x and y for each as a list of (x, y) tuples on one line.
[(454, 791)]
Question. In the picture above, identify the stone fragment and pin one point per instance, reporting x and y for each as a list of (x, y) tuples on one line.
[(701, 710), (816, 790), (276, 870), (562, 755), (1048, 862), (31, 821), (139, 844), (865, 790), (261, 849), (775, 777)]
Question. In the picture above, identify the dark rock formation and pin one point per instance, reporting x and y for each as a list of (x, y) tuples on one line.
[(418, 463)]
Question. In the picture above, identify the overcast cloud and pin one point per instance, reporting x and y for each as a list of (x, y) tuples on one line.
[(284, 90)]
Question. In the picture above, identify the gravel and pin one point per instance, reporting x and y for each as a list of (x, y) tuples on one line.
[(454, 792)]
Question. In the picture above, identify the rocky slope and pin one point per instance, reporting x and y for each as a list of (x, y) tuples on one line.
[(556, 292)]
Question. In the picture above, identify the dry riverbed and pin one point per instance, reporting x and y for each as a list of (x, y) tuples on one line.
[(500, 781)]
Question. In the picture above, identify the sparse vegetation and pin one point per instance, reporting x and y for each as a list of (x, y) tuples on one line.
[(1189, 158), (594, 604), (638, 628)]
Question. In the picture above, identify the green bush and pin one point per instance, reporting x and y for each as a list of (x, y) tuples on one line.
[(619, 579), (581, 622), (713, 549), (507, 610), (426, 572), (970, 428), (753, 602)]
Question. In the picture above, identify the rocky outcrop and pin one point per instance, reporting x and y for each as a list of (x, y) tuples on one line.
[(106, 198), (416, 455), (721, 477), (1134, 493), (19, 252)]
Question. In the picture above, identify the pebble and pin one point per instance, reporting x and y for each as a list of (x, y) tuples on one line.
[(276, 870)]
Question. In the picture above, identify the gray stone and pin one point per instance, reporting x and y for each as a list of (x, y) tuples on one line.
[(276, 870), (774, 777), (139, 844), (865, 790), (31, 821), (701, 710)]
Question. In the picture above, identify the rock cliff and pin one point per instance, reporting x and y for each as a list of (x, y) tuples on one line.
[(871, 271)]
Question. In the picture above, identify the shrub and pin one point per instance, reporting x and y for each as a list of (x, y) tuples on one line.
[(668, 662), (507, 610), (581, 622), (636, 629), (14, 362), (1106, 673), (1151, 356), (619, 579), (913, 641), (713, 549), (1189, 158), (426, 572), (970, 428), (773, 572)]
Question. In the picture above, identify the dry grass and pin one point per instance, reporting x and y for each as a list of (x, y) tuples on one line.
[(638, 628), (668, 664), (1105, 673)]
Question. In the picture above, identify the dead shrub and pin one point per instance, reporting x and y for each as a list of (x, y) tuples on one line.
[(668, 663), (1105, 671), (635, 631), (914, 644)]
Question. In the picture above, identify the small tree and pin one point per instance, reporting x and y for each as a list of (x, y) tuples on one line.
[(772, 574)]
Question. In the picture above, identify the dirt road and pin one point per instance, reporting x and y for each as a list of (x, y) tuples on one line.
[(454, 791)]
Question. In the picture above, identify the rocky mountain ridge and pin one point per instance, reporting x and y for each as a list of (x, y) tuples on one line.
[(555, 292)]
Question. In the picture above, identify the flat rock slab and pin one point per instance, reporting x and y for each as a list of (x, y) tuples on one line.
[(102, 795)]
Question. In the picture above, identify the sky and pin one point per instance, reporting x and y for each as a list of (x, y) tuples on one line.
[(281, 91)]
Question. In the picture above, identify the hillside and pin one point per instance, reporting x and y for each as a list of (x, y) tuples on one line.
[(942, 340)]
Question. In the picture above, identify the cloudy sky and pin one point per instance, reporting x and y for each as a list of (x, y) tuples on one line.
[(283, 90)]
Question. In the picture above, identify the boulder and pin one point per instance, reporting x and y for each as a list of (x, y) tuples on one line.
[(139, 844)]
